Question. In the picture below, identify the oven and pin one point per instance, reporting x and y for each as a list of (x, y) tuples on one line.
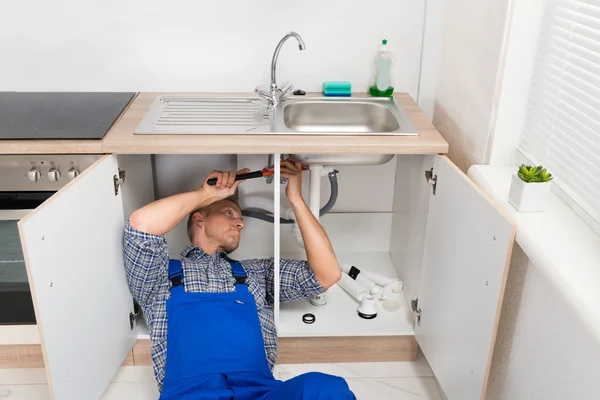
[(25, 183)]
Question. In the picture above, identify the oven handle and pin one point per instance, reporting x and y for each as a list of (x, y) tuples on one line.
[(9, 215)]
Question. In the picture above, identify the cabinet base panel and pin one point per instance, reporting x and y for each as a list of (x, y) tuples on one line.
[(346, 349), (30, 356), (291, 351), (21, 356)]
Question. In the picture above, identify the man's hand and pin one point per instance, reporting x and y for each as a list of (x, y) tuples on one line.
[(293, 172), (225, 186)]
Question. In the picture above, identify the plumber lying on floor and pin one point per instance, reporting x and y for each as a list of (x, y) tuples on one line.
[(210, 317)]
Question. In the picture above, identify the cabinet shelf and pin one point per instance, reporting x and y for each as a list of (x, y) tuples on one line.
[(339, 317)]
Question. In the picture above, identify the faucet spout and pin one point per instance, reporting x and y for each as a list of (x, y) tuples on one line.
[(301, 46)]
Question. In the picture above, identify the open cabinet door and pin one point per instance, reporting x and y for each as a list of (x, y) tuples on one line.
[(468, 243), (74, 255)]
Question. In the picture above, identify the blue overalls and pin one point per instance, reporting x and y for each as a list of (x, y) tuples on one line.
[(215, 349)]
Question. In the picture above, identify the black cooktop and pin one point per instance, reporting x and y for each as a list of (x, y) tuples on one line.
[(59, 115)]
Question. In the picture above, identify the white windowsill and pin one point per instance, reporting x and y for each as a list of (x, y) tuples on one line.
[(558, 243)]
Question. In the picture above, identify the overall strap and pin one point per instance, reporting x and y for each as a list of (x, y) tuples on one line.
[(238, 273), (176, 275)]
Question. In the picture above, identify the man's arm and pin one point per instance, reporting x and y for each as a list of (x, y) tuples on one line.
[(145, 256), (297, 280), (319, 251), (160, 216)]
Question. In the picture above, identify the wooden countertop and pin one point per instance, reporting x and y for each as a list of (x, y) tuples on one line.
[(51, 147), (120, 139)]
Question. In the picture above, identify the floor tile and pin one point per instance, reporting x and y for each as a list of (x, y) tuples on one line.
[(131, 391), (22, 376), (24, 392), (368, 381), (417, 368), (358, 370), (395, 389), (134, 374)]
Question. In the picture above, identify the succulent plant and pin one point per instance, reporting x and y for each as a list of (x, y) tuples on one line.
[(534, 174)]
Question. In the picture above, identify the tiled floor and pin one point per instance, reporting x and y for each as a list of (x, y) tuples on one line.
[(380, 381)]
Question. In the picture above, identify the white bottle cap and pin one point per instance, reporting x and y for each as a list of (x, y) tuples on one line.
[(383, 46)]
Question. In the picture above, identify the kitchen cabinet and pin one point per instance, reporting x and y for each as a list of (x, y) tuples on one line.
[(449, 244)]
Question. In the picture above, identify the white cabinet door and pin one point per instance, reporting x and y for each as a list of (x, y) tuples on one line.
[(468, 243), (74, 254)]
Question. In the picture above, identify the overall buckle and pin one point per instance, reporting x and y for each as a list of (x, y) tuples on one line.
[(176, 280)]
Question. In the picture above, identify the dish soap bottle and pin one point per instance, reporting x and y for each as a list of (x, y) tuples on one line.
[(382, 81)]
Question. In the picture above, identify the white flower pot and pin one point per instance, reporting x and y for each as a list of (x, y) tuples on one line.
[(527, 196)]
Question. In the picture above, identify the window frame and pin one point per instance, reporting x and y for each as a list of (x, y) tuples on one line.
[(521, 38)]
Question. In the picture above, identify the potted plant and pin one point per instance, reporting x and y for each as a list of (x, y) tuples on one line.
[(529, 188)]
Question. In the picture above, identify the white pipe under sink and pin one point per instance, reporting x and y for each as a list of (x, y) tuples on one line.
[(314, 199), (314, 187)]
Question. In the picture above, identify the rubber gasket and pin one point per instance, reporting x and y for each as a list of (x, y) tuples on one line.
[(366, 316), (308, 318)]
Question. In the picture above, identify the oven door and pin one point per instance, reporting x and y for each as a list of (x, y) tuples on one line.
[(15, 295)]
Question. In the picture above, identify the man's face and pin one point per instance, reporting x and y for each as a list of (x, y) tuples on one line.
[(224, 224)]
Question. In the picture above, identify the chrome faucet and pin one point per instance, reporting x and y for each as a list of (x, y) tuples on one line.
[(275, 92)]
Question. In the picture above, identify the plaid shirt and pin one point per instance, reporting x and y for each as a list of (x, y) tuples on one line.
[(146, 262)]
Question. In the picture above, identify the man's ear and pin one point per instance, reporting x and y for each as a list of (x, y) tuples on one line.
[(198, 218)]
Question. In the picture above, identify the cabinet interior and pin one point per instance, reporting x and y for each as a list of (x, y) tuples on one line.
[(377, 224)]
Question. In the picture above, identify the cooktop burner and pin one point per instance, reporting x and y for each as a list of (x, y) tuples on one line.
[(59, 115)]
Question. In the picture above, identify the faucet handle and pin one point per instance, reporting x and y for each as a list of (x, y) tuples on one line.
[(263, 93), (285, 88)]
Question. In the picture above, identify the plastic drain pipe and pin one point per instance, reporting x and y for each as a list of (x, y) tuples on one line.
[(314, 199), (314, 194)]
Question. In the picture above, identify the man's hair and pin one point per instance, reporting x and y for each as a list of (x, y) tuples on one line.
[(205, 211)]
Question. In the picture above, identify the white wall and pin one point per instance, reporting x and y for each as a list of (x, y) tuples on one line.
[(185, 45), (467, 76), (543, 350)]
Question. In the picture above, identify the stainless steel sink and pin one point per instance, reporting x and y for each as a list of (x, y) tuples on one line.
[(296, 115), (348, 116), (339, 117), (342, 116)]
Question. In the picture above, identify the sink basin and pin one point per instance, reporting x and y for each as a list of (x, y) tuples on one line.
[(338, 117), (342, 116)]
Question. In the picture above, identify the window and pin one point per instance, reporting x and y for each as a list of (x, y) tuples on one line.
[(562, 124)]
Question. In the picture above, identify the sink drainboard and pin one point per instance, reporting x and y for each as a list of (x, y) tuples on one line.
[(195, 114)]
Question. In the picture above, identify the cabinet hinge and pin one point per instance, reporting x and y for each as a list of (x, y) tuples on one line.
[(414, 304), (118, 181), (133, 316), (431, 179)]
